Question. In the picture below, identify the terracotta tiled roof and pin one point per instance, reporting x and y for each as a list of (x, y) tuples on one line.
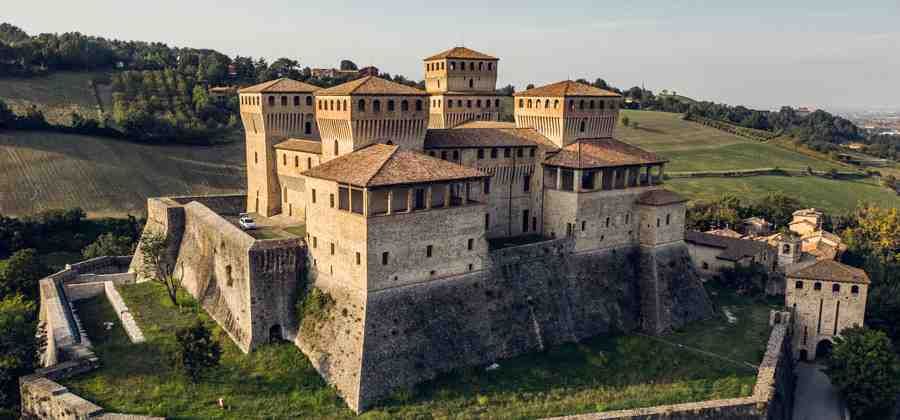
[(568, 88), (660, 197), (487, 124), (461, 52), (370, 85), (380, 165), (283, 85), (733, 249), (485, 137), (828, 270), (301, 145), (601, 153)]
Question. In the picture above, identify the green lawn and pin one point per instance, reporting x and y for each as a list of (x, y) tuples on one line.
[(693, 147), (277, 381), (827, 194)]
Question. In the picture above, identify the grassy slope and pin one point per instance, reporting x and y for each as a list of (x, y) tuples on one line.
[(57, 95), (277, 381), (694, 147), (42, 170)]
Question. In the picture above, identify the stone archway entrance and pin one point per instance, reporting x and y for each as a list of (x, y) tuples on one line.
[(275, 334), (823, 349)]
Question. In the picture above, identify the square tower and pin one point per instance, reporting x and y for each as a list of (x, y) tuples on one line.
[(567, 111), (271, 113), (463, 85), (370, 110)]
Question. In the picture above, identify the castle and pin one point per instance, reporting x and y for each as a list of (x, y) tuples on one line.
[(443, 236)]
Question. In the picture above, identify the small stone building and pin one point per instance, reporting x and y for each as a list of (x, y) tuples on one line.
[(712, 253), (825, 297)]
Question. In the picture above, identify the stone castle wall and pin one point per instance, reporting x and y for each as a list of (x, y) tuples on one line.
[(525, 299)]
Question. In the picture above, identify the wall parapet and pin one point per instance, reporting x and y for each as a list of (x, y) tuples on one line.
[(772, 397)]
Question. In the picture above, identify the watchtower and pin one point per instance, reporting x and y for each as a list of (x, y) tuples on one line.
[(272, 112), (790, 249), (370, 110), (567, 111), (463, 85)]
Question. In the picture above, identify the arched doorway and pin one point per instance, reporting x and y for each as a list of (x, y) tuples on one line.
[(275, 334), (823, 349), (803, 355)]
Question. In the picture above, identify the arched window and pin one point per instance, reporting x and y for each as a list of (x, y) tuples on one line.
[(450, 104), (468, 103), (404, 105), (835, 288), (309, 100), (471, 66), (487, 103), (284, 101), (459, 103), (583, 125), (376, 106), (521, 103), (307, 127), (581, 104), (546, 103), (296, 101), (490, 66), (668, 219), (817, 286), (480, 66), (471, 83), (331, 105), (336, 148), (271, 101), (556, 104), (391, 105), (854, 290), (296, 161), (591, 105), (418, 105), (529, 103), (798, 285), (452, 65), (345, 104), (602, 105), (361, 105), (496, 103)]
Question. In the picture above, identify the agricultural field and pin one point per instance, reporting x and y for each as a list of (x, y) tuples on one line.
[(56, 95), (277, 381), (691, 147), (107, 177), (827, 194)]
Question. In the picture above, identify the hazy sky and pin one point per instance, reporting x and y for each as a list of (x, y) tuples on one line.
[(829, 54)]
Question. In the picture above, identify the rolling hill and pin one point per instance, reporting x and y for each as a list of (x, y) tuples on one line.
[(43, 170)]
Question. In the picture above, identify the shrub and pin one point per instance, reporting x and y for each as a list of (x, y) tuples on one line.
[(197, 351), (865, 369)]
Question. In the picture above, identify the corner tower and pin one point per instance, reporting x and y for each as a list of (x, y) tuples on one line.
[(463, 85), (567, 111), (370, 110), (272, 112)]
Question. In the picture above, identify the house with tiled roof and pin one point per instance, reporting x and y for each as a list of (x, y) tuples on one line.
[(713, 252)]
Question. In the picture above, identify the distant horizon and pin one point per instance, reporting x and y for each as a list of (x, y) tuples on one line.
[(813, 54)]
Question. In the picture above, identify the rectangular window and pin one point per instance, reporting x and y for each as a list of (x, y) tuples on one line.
[(384, 258), (507, 152), (314, 195), (444, 155), (525, 217), (487, 221), (526, 183), (494, 153), (480, 153), (531, 152), (487, 186), (358, 258), (428, 251), (309, 163), (332, 248), (471, 244), (315, 242), (520, 152), (331, 200)]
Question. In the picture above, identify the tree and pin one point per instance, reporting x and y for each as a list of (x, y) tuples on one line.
[(109, 244), (865, 369), (347, 65), (20, 274), (21, 343), (507, 90), (197, 351), (529, 86), (154, 250)]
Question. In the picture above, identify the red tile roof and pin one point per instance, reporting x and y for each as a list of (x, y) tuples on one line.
[(461, 52), (370, 85), (733, 249), (485, 137), (660, 197), (568, 88), (828, 270), (601, 153), (282, 85), (381, 165)]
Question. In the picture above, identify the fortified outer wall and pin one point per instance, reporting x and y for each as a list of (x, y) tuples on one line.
[(248, 286), (672, 292), (527, 298)]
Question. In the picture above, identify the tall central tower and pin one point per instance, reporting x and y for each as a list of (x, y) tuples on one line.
[(272, 112), (463, 85)]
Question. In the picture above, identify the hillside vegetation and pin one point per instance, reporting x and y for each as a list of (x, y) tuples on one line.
[(56, 95), (41, 170)]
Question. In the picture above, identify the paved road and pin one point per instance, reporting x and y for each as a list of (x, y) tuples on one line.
[(815, 398)]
